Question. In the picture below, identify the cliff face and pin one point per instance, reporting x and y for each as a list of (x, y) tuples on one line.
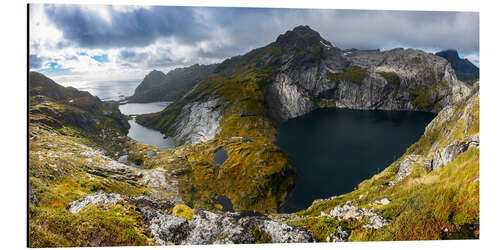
[(157, 86), (301, 71)]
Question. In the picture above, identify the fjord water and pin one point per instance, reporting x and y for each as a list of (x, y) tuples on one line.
[(106, 90), (141, 133), (333, 150)]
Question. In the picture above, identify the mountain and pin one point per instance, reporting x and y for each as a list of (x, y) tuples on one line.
[(250, 95), (157, 86), (465, 70), (57, 106)]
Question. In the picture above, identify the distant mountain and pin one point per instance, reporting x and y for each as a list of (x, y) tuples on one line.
[(465, 70), (57, 106), (157, 86)]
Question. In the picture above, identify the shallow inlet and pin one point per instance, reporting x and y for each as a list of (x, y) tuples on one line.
[(144, 134), (333, 150)]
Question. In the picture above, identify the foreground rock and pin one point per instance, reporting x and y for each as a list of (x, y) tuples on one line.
[(204, 227), (349, 211)]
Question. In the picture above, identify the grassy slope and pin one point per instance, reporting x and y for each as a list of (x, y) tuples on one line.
[(256, 176)]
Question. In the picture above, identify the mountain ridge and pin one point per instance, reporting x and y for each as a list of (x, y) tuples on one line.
[(157, 86), (290, 79)]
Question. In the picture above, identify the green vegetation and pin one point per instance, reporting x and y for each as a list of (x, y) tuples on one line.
[(261, 236), (182, 210), (92, 227), (391, 78), (423, 96), (353, 74)]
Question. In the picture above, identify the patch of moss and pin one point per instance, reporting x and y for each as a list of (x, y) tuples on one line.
[(353, 74), (422, 96), (260, 236), (391, 78), (182, 210)]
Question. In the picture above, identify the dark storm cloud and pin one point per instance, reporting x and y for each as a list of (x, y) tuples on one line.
[(132, 56), (135, 28), (362, 29), (388, 29), (248, 28)]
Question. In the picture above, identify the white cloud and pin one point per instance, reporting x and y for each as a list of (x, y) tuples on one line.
[(474, 59)]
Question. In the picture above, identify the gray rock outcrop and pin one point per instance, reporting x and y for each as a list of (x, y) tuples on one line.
[(447, 154), (348, 211), (198, 122), (206, 227), (99, 198)]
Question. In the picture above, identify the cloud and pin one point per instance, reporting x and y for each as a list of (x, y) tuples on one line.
[(137, 39), (474, 59), (108, 27), (35, 62)]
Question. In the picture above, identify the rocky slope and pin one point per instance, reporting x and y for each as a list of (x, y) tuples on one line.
[(465, 70), (300, 72), (157, 86), (91, 185)]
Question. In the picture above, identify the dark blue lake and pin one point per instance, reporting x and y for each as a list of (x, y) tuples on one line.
[(333, 150)]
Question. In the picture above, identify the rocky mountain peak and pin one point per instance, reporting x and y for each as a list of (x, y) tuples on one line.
[(153, 78), (155, 73), (451, 53), (465, 70), (301, 37)]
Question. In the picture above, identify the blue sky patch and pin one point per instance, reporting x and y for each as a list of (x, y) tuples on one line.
[(54, 68), (102, 58)]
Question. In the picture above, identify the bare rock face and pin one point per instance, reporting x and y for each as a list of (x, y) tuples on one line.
[(99, 198), (445, 155), (288, 99), (198, 122), (312, 71)]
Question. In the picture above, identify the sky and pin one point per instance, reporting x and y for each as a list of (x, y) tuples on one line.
[(124, 42)]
